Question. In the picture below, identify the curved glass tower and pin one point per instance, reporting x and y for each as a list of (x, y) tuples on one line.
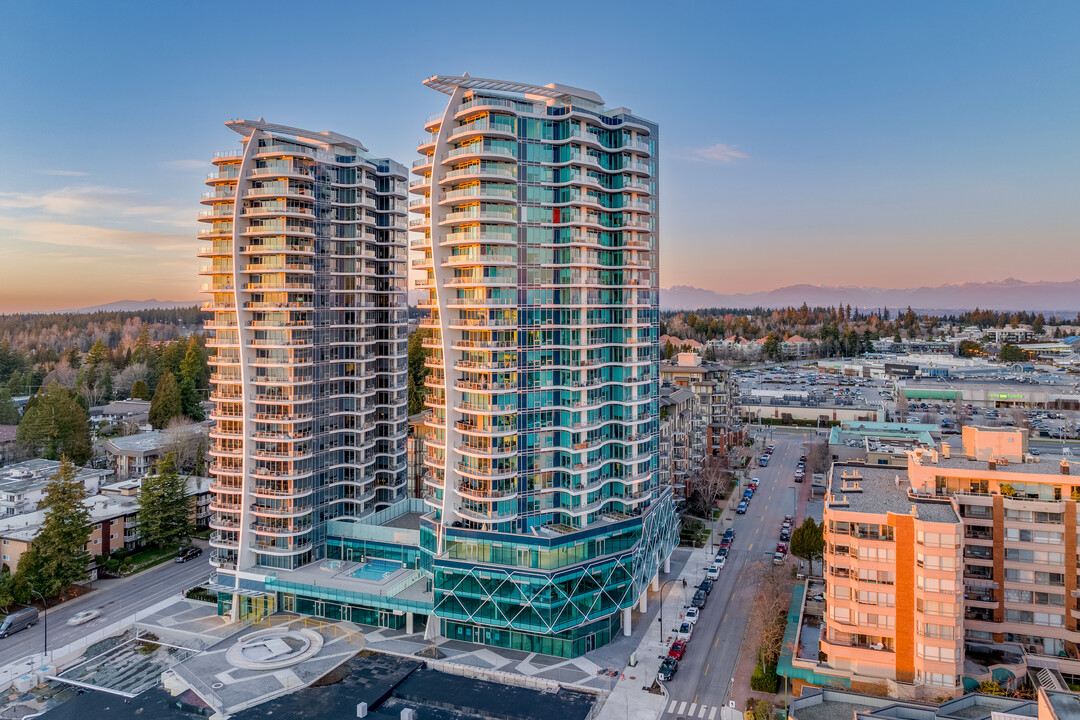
[(307, 288), (539, 253)]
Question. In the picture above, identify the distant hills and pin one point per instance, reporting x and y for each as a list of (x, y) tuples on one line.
[(134, 305), (1009, 294)]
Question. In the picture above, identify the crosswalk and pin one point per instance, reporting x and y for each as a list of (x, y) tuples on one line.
[(693, 710)]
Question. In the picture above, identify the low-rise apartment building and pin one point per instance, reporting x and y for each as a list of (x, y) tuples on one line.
[(712, 385), (22, 485), (967, 548), (682, 440)]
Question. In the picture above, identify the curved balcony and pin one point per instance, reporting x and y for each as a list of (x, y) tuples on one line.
[(501, 172), (481, 193), (483, 128), (482, 474), (216, 540), (486, 237), (482, 494), (279, 532), (484, 214), (477, 151), (486, 519), (269, 549), (423, 165), (479, 409), (484, 430), (260, 491)]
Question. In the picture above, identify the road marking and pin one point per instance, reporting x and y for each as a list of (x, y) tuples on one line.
[(752, 544), (682, 707), (716, 641), (712, 713), (671, 708), (724, 619), (701, 712), (706, 670), (693, 707)]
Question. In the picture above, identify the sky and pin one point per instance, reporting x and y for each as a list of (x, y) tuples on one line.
[(893, 144)]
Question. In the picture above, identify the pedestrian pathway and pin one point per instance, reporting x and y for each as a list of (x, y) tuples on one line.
[(693, 710)]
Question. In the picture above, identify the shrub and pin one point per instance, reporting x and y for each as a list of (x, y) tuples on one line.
[(765, 679)]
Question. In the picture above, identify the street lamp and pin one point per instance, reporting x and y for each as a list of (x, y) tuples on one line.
[(44, 619), (661, 618)]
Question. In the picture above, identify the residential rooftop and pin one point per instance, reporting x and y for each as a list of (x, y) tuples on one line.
[(141, 442), (878, 490), (24, 477)]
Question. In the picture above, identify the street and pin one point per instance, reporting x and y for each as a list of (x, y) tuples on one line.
[(116, 599), (701, 685)]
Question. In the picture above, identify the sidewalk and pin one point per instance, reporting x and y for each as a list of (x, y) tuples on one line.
[(630, 698)]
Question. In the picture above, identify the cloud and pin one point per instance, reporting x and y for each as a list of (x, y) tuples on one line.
[(719, 153), (96, 202), (185, 164), (63, 173), (90, 237)]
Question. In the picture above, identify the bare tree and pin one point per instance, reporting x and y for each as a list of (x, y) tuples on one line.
[(186, 440), (63, 373), (817, 457), (768, 615), (127, 378)]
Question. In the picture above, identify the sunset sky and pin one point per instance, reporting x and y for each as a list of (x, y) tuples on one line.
[(892, 144)]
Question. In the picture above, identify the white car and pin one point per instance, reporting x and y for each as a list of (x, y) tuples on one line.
[(686, 630), (691, 615), (721, 562), (713, 573), (84, 617)]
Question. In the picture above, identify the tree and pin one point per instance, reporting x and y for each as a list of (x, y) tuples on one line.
[(7, 588), (417, 371), (669, 350), (140, 391), (1012, 352), (165, 508), (771, 348), (817, 457), (990, 687), (186, 442), (808, 542), (126, 379), (763, 710), (9, 414), (768, 614), (57, 557), (167, 402), (969, 348), (56, 425)]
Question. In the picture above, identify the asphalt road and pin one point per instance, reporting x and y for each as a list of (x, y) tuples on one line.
[(116, 599), (705, 674)]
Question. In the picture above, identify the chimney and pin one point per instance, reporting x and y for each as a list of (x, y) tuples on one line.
[(1003, 460), (946, 451), (361, 710), (991, 465), (1064, 466)]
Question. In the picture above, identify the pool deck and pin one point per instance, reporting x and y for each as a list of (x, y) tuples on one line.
[(341, 578)]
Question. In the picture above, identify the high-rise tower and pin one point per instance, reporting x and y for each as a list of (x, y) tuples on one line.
[(540, 258), (307, 288)]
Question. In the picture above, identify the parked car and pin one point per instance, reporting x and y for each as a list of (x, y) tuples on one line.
[(668, 668), (741, 510), (785, 534), (700, 598), (782, 548), (691, 615), (789, 519), (678, 649), (83, 617), (722, 553), (713, 573), (778, 558), (1035, 451), (18, 620), (721, 560), (729, 534), (706, 586), (685, 632), (186, 554)]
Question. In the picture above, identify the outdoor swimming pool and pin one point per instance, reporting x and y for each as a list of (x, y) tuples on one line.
[(376, 570)]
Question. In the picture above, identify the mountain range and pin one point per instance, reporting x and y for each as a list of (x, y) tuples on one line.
[(1008, 294), (134, 305)]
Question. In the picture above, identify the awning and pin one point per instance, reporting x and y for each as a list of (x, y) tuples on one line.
[(230, 590), (970, 684)]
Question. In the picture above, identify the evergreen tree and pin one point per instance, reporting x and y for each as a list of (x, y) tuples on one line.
[(56, 425), (9, 414), (143, 352), (167, 402), (58, 556), (191, 368), (165, 508), (808, 542), (418, 372), (140, 391)]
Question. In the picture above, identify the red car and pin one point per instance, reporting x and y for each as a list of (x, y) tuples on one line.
[(678, 648), (781, 548)]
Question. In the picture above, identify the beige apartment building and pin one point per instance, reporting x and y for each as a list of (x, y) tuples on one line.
[(968, 545)]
